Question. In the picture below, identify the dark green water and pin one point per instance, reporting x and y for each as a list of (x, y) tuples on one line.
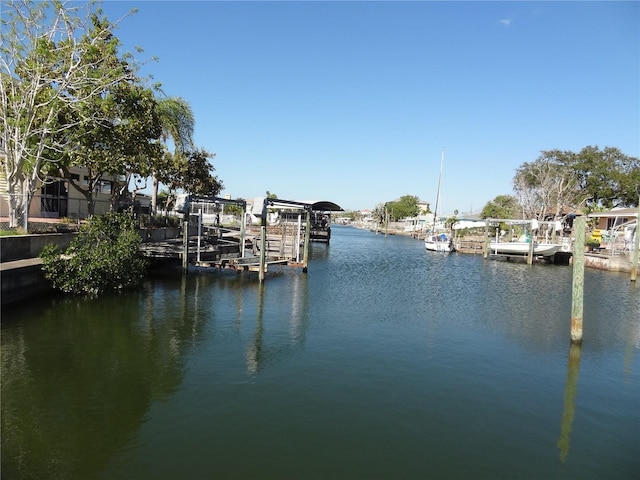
[(384, 361)]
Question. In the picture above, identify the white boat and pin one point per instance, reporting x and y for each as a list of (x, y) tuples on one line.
[(438, 243), (522, 248)]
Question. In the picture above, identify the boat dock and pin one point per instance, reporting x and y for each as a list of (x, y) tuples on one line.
[(273, 232), (612, 260)]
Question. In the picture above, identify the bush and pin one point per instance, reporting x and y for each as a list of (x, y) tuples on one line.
[(103, 257), (158, 221)]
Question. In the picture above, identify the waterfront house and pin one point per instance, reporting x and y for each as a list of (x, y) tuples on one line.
[(56, 198)]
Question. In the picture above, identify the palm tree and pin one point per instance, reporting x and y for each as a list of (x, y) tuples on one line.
[(178, 124)]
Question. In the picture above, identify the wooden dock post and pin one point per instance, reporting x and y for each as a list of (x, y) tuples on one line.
[(243, 230), (636, 247), (577, 294), (307, 239), (386, 222), (487, 241), (185, 243), (532, 227), (263, 241)]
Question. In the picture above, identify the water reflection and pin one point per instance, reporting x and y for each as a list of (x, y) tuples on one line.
[(290, 297), (299, 308), (76, 388), (570, 391), (254, 349)]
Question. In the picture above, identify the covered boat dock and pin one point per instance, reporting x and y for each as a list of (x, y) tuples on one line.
[(271, 231)]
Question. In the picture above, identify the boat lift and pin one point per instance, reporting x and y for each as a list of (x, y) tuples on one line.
[(531, 225), (260, 262)]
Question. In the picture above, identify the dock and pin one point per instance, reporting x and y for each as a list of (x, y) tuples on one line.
[(601, 259), (252, 245)]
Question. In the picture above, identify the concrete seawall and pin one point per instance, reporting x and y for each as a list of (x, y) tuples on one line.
[(22, 279), (21, 275), (20, 247)]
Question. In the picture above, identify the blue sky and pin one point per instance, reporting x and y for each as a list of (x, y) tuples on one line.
[(354, 102)]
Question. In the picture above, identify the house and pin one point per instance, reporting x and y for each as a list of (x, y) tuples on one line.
[(617, 228), (613, 218), (56, 198)]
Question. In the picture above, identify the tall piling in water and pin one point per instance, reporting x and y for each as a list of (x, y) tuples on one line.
[(636, 247), (577, 293), (185, 243)]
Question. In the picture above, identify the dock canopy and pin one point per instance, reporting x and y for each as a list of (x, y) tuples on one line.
[(313, 205), (326, 206)]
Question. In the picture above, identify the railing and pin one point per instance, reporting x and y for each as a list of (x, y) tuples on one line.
[(45, 211)]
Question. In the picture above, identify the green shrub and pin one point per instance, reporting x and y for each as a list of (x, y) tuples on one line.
[(158, 221), (103, 257)]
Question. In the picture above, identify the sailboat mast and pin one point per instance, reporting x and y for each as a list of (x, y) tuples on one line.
[(435, 213)]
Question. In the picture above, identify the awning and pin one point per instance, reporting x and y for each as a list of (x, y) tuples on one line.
[(326, 206)]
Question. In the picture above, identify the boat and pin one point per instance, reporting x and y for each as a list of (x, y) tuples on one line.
[(438, 242), (522, 248)]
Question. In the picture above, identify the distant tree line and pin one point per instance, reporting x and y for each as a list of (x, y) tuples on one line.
[(557, 182)]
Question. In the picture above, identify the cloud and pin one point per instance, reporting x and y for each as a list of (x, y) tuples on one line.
[(505, 21)]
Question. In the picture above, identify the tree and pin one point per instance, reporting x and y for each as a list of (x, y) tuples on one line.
[(547, 184), (503, 206), (194, 173), (178, 123), (406, 207), (103, 257), (608, 178), (121, 144), (593, 178), (379, 213), (49, 63)]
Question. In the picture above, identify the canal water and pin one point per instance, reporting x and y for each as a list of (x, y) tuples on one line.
[(384, 361)]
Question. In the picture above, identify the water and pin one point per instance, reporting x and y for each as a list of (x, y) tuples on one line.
[(383, 361)]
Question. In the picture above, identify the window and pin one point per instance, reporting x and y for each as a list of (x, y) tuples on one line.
[(103, 186)]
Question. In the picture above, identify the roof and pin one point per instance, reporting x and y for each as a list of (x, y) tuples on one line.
[(615, 213), (316, 205), (461, 224), (326, 206)]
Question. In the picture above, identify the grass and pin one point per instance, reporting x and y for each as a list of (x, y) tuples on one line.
[(10, 232)]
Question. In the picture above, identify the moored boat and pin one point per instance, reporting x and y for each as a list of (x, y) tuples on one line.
[(438, 243), (522, 248)]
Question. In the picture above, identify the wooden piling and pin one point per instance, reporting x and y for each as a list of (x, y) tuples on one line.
[(531, 245), (185, 244), (577, 294), (263, 253), (263, 241), (307, 239), (636, 247), (386, 223), (243, 230), (487, 241)]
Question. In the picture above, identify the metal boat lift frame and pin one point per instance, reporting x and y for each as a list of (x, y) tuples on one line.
[(243, 261)]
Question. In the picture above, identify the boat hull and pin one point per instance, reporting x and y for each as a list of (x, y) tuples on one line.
[(522, 248)]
